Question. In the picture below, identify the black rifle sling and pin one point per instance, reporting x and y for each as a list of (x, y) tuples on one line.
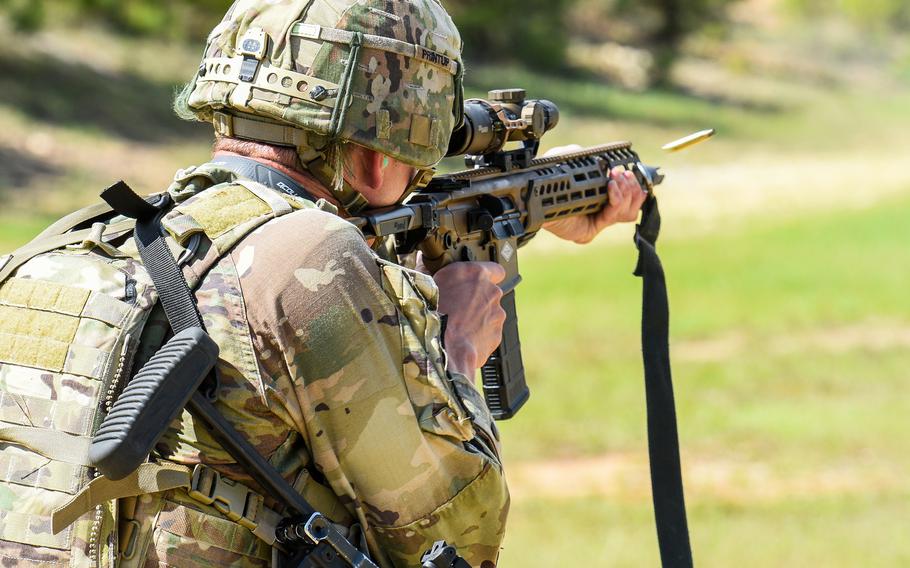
[(663, 438), (180, 307)]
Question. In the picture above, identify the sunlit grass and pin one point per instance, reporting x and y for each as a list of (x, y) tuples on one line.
[(800, 384), (832, 531), (768, 289)]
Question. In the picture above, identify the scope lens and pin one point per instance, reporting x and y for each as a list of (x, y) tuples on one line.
[(481, 132), (484, 132)]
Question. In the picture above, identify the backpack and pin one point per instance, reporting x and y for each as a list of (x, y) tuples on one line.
[(74, 304)]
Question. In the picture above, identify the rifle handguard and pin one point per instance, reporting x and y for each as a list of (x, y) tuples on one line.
[(151, 401)]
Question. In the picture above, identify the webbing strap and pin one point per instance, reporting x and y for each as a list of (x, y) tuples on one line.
[(75, 219), (51, 444), (663, 438), (234, 500), (121, 198), (148, 478), (176, 298), (47, 244), (307, 143), (233, 126)]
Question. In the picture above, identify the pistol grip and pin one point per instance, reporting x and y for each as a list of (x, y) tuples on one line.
[(503, 375)]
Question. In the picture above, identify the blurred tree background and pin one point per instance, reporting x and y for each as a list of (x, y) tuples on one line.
[(785, 241), (531, 32)]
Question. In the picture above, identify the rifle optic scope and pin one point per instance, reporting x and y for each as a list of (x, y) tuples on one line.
[(506, 117)]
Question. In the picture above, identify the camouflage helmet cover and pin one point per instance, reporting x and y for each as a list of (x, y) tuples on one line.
[(384, 74)]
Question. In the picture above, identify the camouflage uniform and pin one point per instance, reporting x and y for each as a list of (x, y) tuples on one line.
[(332, 361), (332, 365)]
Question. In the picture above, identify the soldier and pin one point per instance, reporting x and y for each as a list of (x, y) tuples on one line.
[(352, 374)]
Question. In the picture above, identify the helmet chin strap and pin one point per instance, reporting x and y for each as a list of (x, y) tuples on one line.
[(332, 177)]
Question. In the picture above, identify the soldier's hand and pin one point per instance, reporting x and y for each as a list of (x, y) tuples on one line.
[(626, 198), (469, 295)]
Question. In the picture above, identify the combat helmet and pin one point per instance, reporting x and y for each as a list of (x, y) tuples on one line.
[(315, 74)]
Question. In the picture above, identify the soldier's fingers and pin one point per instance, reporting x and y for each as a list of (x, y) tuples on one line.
[(610, 213), (614, 191), (636, 196), (625, 193), (627, 190), (471, 272), (492, 271)]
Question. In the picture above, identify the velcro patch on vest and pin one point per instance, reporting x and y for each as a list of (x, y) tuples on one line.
[(223, 209), (34, 338), (28, 469), (41, 295), (67, 416), (36, 324), (45, 340)]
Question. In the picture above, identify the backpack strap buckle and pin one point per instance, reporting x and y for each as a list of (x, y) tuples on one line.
[(235, 501)]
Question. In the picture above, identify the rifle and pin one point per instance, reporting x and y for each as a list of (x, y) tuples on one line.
[(483, 213), (487, 212)]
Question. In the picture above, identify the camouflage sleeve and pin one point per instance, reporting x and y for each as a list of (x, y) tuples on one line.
[(351, 347)]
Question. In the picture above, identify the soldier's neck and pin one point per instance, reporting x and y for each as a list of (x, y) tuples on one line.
[(308, 182)]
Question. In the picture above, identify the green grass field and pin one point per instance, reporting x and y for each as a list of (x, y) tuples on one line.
[(791, 355), (790, 317)]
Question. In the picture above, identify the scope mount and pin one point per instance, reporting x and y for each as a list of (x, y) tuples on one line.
[(506, 160)]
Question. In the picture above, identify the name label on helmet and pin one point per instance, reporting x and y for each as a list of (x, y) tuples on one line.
[(434, 57)]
